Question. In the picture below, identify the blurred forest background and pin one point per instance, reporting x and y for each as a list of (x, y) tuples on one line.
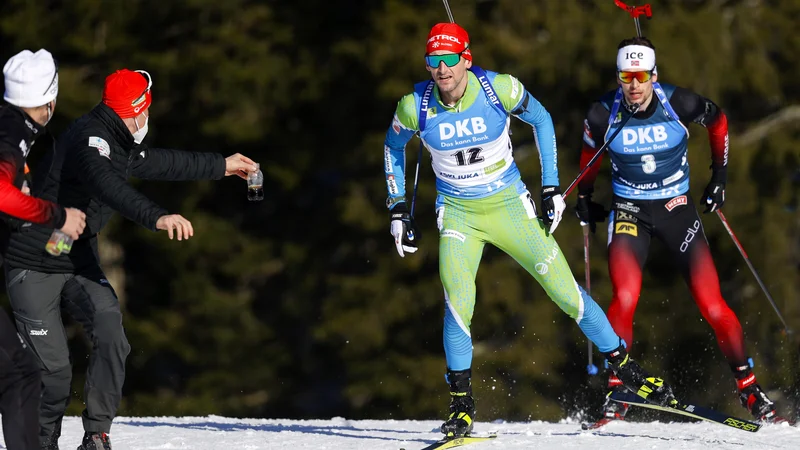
[(298, 306)]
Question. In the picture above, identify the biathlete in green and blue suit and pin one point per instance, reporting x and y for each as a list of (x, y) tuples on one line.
[(462, 117)]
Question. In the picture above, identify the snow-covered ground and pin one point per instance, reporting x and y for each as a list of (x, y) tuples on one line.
[(219, 433)]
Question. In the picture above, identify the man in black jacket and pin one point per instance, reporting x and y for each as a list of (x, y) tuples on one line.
[(89, 170), (31, 87)]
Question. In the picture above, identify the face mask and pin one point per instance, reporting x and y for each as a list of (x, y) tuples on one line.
[(49, 114), (140, 133)]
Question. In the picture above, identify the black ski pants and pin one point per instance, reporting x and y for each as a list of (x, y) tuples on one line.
[(20, 388), (37, 300)]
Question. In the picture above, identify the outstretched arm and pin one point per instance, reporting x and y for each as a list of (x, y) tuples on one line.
[(176, 165)]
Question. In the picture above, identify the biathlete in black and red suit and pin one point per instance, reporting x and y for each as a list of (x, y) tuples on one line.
[(650, 181)]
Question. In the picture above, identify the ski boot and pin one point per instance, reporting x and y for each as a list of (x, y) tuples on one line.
[(614, 410), (637, 380), (95, 441), (754, 398), (51, 442), (462, 405)]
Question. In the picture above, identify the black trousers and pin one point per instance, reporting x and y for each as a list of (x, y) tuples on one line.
[(676, 223), (20, 388), (37, 300)]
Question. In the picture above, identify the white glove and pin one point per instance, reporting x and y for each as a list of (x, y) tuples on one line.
[(553, 206), (403, 230), (559, 207)]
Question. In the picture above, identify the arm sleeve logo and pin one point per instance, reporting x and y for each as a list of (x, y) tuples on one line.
[(101, 145)]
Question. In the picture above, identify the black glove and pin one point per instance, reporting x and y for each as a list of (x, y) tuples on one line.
[(553, 206), (590, 212), (714, 195), (403, 229)]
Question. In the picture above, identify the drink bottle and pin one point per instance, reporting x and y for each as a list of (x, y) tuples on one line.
[(255, 186), (59, 243)]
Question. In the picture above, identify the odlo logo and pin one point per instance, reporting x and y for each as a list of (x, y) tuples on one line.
[(644, 135), (690, 234), (466, 127)]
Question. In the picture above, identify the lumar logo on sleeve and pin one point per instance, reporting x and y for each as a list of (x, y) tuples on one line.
[(626, 228)]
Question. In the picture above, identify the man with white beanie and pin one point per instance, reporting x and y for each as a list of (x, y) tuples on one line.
[(31, 87), (90, 166)]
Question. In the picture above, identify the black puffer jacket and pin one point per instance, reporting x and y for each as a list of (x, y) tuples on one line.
[(17, 135), (88, 170)]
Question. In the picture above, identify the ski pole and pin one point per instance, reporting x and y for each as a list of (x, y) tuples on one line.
[(753, 269), (449, 14), (635, 12), (416, 179), (633, 109), (591, 369)]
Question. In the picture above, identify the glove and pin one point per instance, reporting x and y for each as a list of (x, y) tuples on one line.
[(403, 229), (589, 212), (553, 206), (714, 195)]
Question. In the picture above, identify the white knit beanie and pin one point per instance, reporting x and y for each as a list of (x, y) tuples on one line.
[(31, 79)]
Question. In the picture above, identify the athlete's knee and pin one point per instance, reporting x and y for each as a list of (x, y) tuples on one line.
[(108, 333), (626, 296), (717, 312), (461, 299), (459, 313)]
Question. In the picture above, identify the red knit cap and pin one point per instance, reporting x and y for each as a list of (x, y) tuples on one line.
[(128, 92), (449, 37)]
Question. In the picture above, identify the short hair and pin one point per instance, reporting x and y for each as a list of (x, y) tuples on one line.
[(639, 40)]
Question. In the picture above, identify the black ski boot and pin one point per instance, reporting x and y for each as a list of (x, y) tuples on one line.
[(611, 410), (462, 405), (637, 380), (615, 410), (753, 397), (51, 442), (95, 441)]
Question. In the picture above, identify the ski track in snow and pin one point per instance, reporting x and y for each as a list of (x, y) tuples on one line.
[(218, 433)]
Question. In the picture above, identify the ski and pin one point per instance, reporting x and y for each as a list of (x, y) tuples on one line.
[(694, 411), (457, 442), (598, 424)]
